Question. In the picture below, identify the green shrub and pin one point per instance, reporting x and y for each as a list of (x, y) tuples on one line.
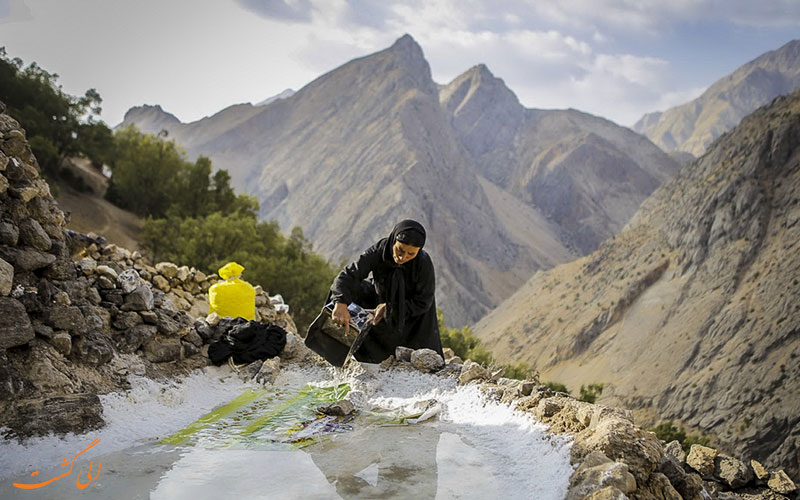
[(667, 432), (557, 387), (591, 392)]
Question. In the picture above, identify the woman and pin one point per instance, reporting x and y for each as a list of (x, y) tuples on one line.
[(401, 292)]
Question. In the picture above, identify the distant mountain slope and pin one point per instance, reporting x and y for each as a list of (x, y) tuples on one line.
[(692, 312), (586, 174), (376, 140), (691, 127)]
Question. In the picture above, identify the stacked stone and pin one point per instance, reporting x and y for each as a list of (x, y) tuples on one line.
[(614, 458), (72, 328)]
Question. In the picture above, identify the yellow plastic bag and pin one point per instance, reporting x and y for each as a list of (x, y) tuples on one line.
[(233, 297)]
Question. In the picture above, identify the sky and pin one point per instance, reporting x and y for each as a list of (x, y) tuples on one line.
[(617, 59)]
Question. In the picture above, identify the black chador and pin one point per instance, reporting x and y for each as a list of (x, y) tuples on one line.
[(407, 289)]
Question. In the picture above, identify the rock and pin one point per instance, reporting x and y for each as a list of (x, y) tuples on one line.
[(62, 269), (426, 360), (193, 338), (14, 143), (183, 273), (759, 470), (204, 330), (189, 349), (3, 184), (107, 271), (607, 493), (62, 299), (6, 278), (62, 342), (9, 234), (135, 337), (268, 371), (337, 409), (15, 325), (68, 318), (93, 296), (76, 413), (451, 370), (92, 348), (701, 459), (455, 360), (597, 471), (161, 283), (140, 299), (779, 482), (24, 193), (448, 353), (161, 349), (199, 277), (213, 319), (167, 269), (32, 234), (402, 353), (41, 329), (248, 373), (167, 324), (688, 485), (126, 320), (87, 265), (106, 283), (732, 471), (149, 317), (527, 387), (675, 450), (129, 280), (473, 371), (27, 259)]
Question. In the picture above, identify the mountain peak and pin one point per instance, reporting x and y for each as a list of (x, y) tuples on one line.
[(407, 47), (149, 117)]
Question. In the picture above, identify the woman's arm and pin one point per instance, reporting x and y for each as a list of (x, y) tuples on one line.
[(421, 300), (345, 283)]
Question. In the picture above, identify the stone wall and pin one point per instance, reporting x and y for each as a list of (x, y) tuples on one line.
[(77, 316)]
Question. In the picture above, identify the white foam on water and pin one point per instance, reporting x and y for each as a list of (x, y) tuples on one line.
[(149, 411), (516, 454)]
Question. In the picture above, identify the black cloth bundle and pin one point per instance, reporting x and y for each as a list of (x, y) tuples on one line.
[(247, 342)]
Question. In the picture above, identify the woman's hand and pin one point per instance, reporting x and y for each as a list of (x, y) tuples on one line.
[(341, 316), (380, 313)]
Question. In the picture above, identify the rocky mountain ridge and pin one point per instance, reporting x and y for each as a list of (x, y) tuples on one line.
[(691, 127), (376, 140), (691, 313)]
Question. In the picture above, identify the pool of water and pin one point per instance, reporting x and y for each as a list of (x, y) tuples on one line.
[(471, 449)]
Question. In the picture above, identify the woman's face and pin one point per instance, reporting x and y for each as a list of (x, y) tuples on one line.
[(402, 252)]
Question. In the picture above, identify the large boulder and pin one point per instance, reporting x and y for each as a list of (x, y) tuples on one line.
[(596, 472), (32, 234), (76, 413), (141, 299), (15, 325), (732, 471), (68, 318), (702, 459), (426, 360)]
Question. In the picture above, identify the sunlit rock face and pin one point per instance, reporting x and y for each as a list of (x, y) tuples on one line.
[(691, 312), (692, 127)]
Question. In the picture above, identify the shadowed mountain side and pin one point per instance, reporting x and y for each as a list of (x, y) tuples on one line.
[(691, 127), (692, 312), (586, 174)]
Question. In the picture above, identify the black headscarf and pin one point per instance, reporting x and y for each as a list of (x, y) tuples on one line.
[(411, 233)]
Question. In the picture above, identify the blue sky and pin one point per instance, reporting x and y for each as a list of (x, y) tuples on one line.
[(614, 58)]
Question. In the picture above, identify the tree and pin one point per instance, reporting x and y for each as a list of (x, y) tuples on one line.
[(57, 124)]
